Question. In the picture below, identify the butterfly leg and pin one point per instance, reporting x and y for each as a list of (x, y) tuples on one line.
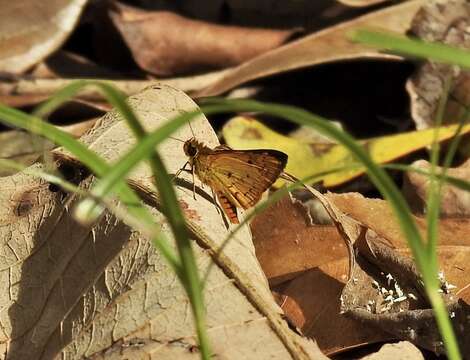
[(194, 183), (192, 172), (180, 171), (215, 202)]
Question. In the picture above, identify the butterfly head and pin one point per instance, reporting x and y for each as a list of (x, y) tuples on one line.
[(191, 147)]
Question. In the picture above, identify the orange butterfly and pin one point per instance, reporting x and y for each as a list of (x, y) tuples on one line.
[(237, 177)]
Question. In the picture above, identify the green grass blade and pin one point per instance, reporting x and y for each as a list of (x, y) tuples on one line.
[(412, 47), (51, 178), (434, 189), (89, 209), (458, 183), (94, 162), (440, 53), (190, 273)]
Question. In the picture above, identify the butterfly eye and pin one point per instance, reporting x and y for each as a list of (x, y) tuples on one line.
[(190, 149)]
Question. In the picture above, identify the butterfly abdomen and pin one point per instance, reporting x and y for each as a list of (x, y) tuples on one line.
[(229, 208)]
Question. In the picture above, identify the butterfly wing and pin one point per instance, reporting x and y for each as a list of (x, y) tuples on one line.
[(242, 176)]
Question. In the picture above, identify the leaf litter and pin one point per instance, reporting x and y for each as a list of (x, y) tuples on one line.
[(306, 259)]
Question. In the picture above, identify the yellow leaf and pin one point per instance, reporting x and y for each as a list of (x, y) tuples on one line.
[(306, 159)]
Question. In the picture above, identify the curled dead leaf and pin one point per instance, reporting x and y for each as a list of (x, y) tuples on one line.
[(287, 244), (165, 43), (445, 22), (32, 30), (19, 91), (312, 302), (325, 46)]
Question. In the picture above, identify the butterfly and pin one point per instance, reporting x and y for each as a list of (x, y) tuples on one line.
[(238, 178)]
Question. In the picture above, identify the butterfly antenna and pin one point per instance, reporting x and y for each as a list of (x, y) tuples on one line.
[(171, 137), (192, 131)]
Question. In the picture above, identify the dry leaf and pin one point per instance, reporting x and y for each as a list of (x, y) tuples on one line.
[(312, 300), (454, 202), (32, 30), (287, 242), (322, 47), (19, 101), (266, 13), (284, 231), (165, 43), (78, 292), (445, 22), (310, 135), (376, 215), (24, 91)]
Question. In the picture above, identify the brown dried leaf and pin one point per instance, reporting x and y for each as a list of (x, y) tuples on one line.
[(19, 101), (23, 92), (77, 292), (308, 312), (376, 214), (284, 231), (32, 30), (445, 22), (312, 300), (322, 47), (454, 202), (165, 43)]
